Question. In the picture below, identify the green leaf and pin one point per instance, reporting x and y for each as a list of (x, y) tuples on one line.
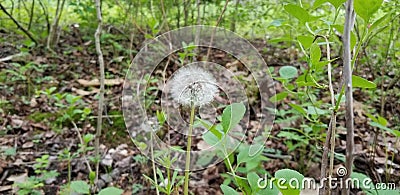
[(232, 115), (305, 41), (366, 185), (318, 3), (316, 111), (315, 53), (353, 39), (362, 83), (375, 124), (320, 65), (210, 138), (288, 72), (366, 8), (377, 23), (298, 12), (92, 176), (291, 179), (80, 187), (278, 97), (388, 192), (212, 128), (87, 138), (111, 191), (252, 178), (301, 81), (249, 153), (228, 190), (298, 108), (336, 3), (382, 121), (396, 133)]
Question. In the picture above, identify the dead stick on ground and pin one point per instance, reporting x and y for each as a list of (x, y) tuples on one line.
[(347, 73), (101, 94)]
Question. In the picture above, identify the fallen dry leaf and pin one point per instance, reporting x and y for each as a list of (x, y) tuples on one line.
[(27, 145), (18, 178), (96, 82), (5, 188), (83, 92)]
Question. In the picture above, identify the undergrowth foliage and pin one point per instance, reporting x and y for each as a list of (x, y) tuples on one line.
[(46, 46)]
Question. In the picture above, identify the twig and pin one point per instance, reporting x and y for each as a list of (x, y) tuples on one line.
[(101, 93), (53, 30), (31, 15), (46, 14), (213, 32), (82, 143), (27, 33), (347, 73), (330, 136)]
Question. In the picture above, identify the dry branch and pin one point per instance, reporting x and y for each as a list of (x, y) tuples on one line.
[(102, 77), (26, 32), (347, 73)]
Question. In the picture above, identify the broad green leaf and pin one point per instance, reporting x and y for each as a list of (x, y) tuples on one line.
[(320, 65), (80, 187), (370, 116), (318, 3), (301, 80), (228, 190), (255, 149), (315, 53), (212, 128), (288, 72), (316, 111), (375, 124), (377, 23), (388, 192), (249, 153), (362, 83), (210, 138), (396, 133), (291, 179), (336, 3), (305, 41), (268, 187), (205, 159), (366, 183), (382, 121), (270, 191), (298, 12), (232, 115), (111, 191), (252, 178), (366, 8), (298, 108), (353, 39), (278, 97)]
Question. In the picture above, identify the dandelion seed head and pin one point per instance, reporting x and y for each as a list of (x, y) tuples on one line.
[(192, 84)]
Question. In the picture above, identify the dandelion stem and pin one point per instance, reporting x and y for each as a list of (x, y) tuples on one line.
[(188, 149)]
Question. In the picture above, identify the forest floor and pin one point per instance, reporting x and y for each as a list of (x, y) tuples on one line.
[(32, 121)]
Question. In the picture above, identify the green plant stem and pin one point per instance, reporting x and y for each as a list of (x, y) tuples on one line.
[(153, 162), (229, 163), (188, 149)]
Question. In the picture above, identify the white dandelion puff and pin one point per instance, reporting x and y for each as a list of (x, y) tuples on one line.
[(193, 86)]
